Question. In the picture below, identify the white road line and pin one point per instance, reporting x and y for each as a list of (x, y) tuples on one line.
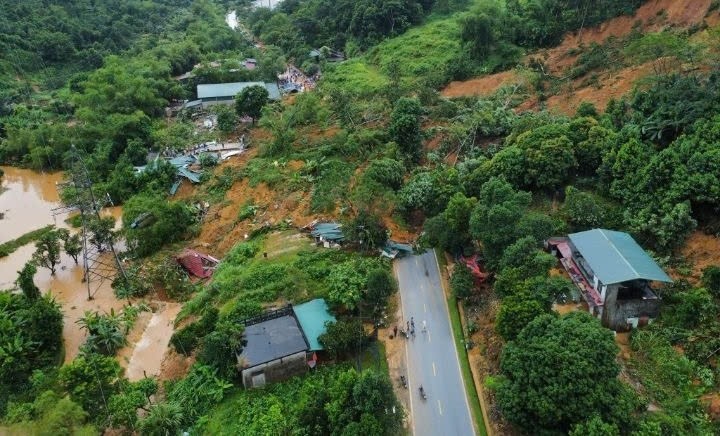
[(425, 307), (434, 370), (429, 336), (440, 407), (452, 339)]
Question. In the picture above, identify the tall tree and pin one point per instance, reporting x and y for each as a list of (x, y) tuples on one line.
[(557, 358), (101, 230), (47, 250), (367, 230), (380, 286), (250, 101), (405, 128), (73, 246)]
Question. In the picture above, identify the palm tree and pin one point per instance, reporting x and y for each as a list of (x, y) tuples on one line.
[(105, 332), (164, 419)]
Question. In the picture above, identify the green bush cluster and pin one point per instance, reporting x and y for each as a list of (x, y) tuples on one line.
[(333, 397)]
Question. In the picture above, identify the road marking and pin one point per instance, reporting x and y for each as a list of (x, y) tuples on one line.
[(440, 407), (429, 336), (457, 357), (425, 307), (434, 370)]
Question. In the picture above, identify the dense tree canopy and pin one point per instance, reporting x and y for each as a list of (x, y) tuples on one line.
[(556, 358), (30, 339)]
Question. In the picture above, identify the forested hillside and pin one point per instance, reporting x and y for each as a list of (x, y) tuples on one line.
[(477, 128)]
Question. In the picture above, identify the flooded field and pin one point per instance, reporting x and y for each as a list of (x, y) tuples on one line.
[(27, 199)]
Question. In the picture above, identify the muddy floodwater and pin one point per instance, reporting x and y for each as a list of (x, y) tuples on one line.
[(27, 199)]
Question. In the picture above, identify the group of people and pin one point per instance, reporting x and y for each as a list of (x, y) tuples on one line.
[(409, 331), (296, 77)]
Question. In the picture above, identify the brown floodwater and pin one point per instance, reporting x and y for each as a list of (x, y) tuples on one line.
[(27, 199), (144, 357)]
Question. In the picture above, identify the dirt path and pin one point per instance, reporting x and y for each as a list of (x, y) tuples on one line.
[(396, 357)]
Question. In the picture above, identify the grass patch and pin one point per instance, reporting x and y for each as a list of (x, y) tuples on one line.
[(458, 335), (331, 185), (373, 357), (9, 247), (421, 52), (356, 75)]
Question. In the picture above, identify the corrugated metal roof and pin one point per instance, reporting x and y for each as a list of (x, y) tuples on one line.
[(312, 317), (615, 257), (230, 90), (328, 231), (272, 339)]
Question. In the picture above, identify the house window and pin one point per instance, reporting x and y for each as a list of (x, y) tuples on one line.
[(258, 378)]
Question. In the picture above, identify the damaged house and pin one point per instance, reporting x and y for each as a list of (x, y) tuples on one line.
[(614, 274)]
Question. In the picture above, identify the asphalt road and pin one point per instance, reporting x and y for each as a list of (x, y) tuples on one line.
[(432, 359)]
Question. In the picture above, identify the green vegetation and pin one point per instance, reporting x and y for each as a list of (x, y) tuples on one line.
[(374, 143), (531, 396), (461, 346), (9, 247), (30, 340), (331, 400), (250, 102)]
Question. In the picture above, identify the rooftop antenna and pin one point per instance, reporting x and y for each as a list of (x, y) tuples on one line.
[(100, 260)]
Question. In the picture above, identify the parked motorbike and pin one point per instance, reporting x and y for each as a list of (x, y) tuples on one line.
[(423, 394), (403, 381)]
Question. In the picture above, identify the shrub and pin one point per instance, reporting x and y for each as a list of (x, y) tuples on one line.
[(711, 279), (462, 282), (187, 338)]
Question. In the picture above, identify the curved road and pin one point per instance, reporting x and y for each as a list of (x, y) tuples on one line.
[(432, 359)]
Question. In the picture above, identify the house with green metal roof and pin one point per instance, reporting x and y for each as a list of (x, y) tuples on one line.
[(224, 93), (615, 276), (313, 317)]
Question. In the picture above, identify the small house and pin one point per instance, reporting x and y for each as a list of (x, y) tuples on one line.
[(282, 343), (329, 235), (614, 274)]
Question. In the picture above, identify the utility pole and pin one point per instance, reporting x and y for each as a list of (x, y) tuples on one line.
[(100, 260)]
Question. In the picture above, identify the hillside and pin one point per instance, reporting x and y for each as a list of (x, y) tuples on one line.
[(601, 63), (486, 131)]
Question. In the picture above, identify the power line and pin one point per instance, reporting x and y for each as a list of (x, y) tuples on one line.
[(100, 260)]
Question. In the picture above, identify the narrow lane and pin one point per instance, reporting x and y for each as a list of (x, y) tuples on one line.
[(431, 355)]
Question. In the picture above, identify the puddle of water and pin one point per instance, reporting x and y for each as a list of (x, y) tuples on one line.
[(147, 355), (26, 200)]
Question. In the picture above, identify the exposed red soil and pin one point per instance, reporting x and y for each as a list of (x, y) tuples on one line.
[(652, 16), (222, 230), (479, 86), (712, 405), (611, 85), (701, 250)]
